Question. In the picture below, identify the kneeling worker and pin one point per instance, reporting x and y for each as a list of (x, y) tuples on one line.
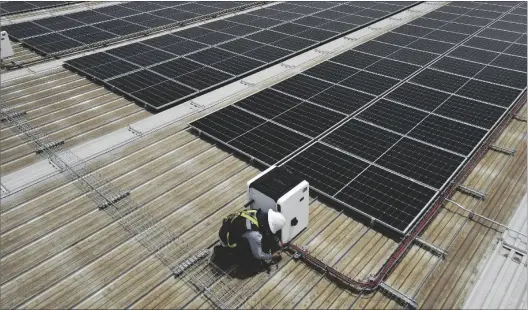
[(249, 236)]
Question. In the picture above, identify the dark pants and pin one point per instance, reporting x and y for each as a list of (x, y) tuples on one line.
[(243, 257)]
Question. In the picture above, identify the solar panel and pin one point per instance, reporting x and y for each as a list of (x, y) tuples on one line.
[(412, 121), (17, 7), (386, 197), (95, 27), (232, 48)]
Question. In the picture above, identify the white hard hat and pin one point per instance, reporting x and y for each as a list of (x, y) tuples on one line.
[(276, 221)]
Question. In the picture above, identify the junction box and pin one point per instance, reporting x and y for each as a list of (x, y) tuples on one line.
[(278, 189)]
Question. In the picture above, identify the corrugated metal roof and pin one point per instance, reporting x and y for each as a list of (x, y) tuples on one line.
[(58, 250)]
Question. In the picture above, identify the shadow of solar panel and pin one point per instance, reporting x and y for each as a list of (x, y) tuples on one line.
[(137, 80), (268, 103), (302, 86), (228, 123), (418, 96), (362, 139), (439, 80), (421, 162), (330, 71), (470, 111), (448, 134), (309, 119), (342, 99), (203, 78), (370, 83), (269, 143), (503, 77), (325, 168), (163, 94), (495, 94), (392, 116), (94, 37), (387, 197), (238, 65)]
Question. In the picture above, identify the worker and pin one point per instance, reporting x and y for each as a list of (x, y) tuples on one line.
[(249, 238)]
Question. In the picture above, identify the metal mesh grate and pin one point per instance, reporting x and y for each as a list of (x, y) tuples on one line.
[(215, 283)]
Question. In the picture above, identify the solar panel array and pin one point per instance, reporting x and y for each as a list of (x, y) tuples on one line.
[(65, 33), (172, 68), (389, 123), (16, 7)]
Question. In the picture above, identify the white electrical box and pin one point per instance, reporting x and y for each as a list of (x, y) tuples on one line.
[(279, 190), (6, 50)]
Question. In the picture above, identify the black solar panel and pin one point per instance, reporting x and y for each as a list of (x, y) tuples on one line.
[(325, 168), (387, 197), (421, 162), (207, 56), (17, 7), (362, 139), (391, 156), (95, 27)]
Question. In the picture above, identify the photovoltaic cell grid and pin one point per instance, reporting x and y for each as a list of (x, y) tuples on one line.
[(16, 7), (172, 68), (62, 34), (402, 144)]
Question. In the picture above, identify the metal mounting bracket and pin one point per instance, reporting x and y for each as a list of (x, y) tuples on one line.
[(472, 192)]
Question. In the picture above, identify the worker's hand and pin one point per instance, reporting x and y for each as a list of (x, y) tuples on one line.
[(276, 255)]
